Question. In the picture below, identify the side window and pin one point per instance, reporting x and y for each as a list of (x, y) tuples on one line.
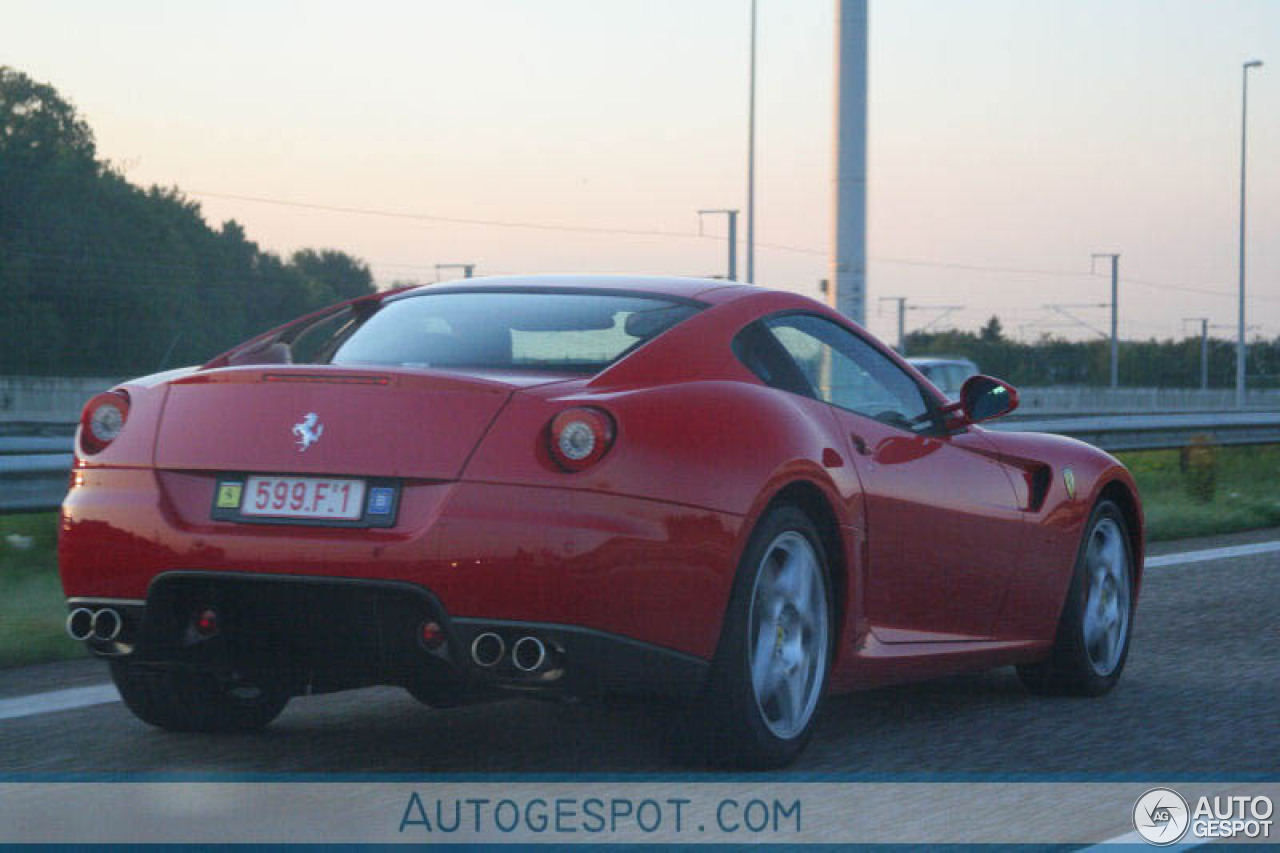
[(757, 348), (846, 371)]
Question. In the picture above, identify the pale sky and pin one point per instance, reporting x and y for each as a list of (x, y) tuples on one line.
[(1013, 134)]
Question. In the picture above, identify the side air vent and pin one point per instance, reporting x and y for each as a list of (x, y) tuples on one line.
[(1038, 480)]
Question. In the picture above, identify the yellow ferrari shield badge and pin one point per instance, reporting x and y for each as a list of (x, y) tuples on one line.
[(1069, 479), (228, 495)]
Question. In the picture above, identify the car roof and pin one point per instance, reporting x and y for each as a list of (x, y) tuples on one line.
[(704, 289)]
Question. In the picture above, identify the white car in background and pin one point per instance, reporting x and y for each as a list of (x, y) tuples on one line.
[(947, 374)]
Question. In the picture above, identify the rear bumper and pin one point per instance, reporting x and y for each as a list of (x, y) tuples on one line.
[(584, 564), (317, 635)]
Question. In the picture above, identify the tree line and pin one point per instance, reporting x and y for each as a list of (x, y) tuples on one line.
[(101, 277), (1054, 361)]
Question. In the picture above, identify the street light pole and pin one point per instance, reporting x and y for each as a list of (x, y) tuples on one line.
[(1204, 354), (902, 322), (849, 243), (1244, 138), (1204, 348), (1115, 315), (733, 237)]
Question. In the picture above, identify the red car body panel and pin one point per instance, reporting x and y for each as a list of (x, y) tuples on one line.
[(378, 424), (953, 551)]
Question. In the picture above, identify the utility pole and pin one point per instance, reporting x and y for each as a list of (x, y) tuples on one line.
[(1115, 313), (733, 237), (1244, 125), (467, 269), (944, 311), (902, 315), (751, 157), (1204, 348), (849, 262)]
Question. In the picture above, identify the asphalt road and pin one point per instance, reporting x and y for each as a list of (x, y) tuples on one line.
[(1199, 697)]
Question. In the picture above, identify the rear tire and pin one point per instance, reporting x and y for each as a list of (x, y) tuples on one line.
[(1092, 641), (194, 701), (767, 680)]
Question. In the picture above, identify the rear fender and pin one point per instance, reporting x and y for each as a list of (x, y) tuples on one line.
[(730, 447), (841, 524), (712, 444)]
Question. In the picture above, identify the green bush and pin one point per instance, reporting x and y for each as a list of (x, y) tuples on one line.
[(1199, 461)]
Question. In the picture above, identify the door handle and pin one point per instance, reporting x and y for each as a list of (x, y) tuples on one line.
[(859, 445)]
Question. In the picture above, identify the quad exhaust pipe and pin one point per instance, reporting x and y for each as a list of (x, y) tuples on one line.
[(107, 624), (85, 624), (80, 623), (528, 654), (487, 649)]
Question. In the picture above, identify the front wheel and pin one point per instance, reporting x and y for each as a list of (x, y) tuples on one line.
[(770, 670), (195, 701), (1092, 642)]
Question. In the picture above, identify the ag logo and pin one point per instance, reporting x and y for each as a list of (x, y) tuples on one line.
[(1069, 480), (1161, 816)]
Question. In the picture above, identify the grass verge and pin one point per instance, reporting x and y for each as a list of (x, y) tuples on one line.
[(1246, 496), (31, 603), (32, 609)]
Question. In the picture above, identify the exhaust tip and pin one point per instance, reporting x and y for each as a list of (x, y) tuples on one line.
[(487, 649), (80, 623), (528, 654), (107, 624)]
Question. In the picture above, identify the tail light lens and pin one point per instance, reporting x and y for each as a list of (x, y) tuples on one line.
[(580, 437), (103, 419)]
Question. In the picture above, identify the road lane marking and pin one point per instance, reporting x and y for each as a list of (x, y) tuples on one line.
[(101, 694), (58, 700), (1212, 554)]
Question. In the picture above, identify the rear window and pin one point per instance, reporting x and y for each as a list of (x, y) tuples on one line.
[(556, 332)]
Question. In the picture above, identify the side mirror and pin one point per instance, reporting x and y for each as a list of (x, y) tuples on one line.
[(983, 398)]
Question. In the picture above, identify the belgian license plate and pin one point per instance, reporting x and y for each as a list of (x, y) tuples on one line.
[(317, 498)]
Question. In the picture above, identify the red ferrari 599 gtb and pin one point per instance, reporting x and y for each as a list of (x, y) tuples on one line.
[(572, 485)]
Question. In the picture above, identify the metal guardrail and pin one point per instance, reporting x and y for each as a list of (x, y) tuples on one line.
[(35, 464), (34, 468), (1156, 432)]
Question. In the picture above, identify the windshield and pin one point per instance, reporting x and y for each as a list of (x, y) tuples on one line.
[(571, 332)]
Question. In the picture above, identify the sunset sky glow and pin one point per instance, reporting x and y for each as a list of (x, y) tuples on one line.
[(1005, 135)]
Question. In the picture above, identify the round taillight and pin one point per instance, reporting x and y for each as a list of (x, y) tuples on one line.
[(103, 419), (579, 437)]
